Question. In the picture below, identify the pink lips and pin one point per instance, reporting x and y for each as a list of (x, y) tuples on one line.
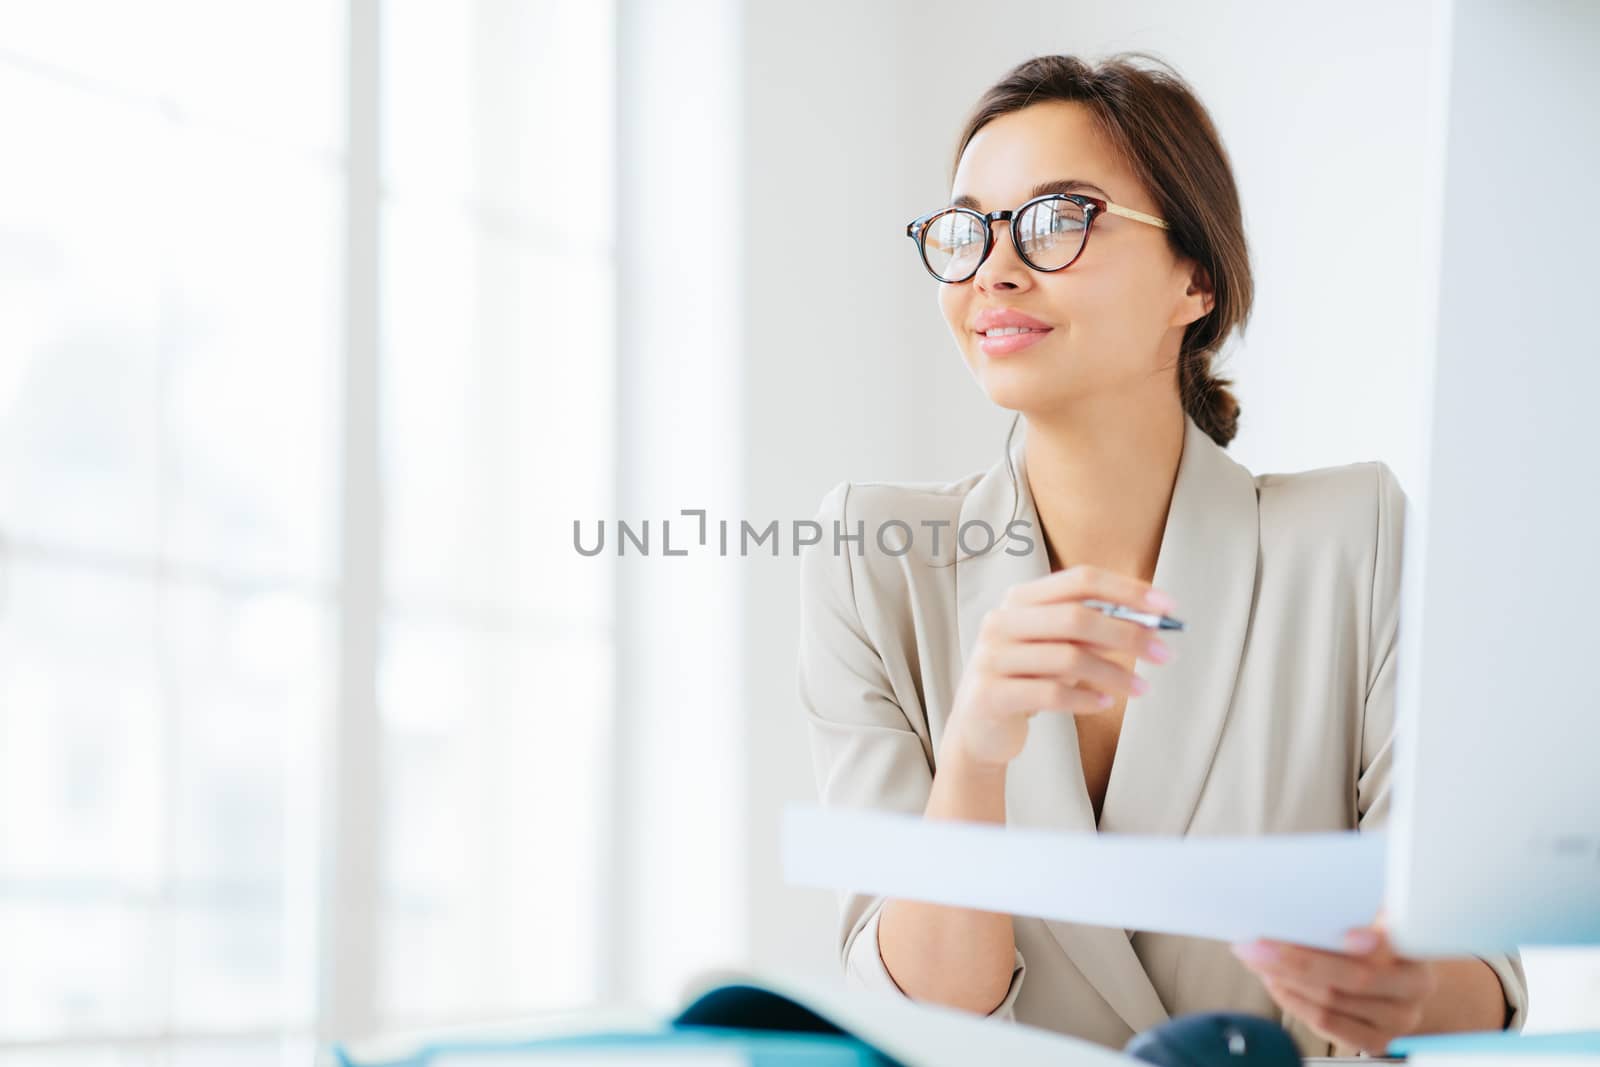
[(998, 318), (1010, 343)]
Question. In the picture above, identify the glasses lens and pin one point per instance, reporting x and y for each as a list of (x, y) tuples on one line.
[(1051, 233), (953, 244)]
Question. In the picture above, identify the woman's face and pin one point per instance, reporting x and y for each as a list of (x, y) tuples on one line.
[(1115, 317)]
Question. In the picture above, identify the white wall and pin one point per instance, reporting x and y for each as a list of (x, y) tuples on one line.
[(838, 369), (850, 373)]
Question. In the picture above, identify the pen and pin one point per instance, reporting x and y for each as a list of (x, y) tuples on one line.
[(1143, 618)]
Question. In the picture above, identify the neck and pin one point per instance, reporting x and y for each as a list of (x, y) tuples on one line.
[(1102, 482)]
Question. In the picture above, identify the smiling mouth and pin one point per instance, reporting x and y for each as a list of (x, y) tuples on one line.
[(1005, 341), (1009, 330)]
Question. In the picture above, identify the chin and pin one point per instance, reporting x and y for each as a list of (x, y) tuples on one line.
[(1013, 392), (1017, 383)]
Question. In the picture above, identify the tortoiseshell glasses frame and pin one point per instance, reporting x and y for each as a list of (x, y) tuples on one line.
[(1049, 209)]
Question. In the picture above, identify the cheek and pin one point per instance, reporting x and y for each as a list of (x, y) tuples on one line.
[(1113, 304), (953, 304)]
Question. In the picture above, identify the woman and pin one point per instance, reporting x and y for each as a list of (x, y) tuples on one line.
[(963, 678)]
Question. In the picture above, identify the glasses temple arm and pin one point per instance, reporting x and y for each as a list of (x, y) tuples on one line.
[(1137, 216)]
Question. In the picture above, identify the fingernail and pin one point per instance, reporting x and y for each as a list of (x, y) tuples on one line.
[(1159, 600), (1255, 952), (1158, 651), (1139, 685), (1105, 700), (1360, 941)]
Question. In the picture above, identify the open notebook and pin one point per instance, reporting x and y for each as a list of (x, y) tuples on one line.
[(740, 1018)]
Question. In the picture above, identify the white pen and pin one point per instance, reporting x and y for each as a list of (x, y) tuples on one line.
[(1143, 618)]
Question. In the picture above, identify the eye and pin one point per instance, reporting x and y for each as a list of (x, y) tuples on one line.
[(1050, 219), (954, 231), (1063, 216)]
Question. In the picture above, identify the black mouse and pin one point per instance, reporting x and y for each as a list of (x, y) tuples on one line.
[(1216, 1039)]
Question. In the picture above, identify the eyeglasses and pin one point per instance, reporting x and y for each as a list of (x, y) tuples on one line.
[(1050, 232)]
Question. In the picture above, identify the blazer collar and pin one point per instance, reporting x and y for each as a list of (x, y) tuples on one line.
[(1207, 561)]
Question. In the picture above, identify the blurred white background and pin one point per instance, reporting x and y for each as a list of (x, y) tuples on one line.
[(321, 323), (306, 363)]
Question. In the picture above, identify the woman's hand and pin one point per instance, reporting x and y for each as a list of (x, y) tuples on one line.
[(1365, 996), (1041, 650)]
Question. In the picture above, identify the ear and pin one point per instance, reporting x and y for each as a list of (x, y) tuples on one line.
[(1199, 297)]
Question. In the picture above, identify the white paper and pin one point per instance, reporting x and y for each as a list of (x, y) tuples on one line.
[(1308, 888)]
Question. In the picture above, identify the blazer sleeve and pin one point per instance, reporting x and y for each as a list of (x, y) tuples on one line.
[(864, 750), (1378, 716)]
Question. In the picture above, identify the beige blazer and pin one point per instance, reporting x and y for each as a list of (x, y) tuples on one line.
[(1276, 714)]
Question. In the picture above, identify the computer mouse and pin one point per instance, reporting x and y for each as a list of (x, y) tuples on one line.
[(1216, 1039)]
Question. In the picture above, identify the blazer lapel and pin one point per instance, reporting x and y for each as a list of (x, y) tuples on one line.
[(1207, 562)]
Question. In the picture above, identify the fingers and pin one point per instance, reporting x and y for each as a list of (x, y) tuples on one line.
[(1062, 659), (1365, 940), (1027, 695), (1334, 1024), (1071, 621), (1395, 1015), (1065, 642), (1088, 581), (990, 719), (1377, 974), (1043, 650), (1363, 998)]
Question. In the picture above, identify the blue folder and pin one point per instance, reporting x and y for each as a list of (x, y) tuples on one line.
[(1501, 1043), (766, 1028)]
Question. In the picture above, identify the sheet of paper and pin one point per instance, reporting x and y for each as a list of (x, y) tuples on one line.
[(1307, 888)]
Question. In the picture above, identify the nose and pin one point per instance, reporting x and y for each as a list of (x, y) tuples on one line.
[(1003, 269)]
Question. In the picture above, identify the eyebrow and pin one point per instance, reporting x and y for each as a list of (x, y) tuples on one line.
[(1064, 185)]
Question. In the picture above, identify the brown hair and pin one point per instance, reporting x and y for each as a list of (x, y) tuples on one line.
[(1161, 129)]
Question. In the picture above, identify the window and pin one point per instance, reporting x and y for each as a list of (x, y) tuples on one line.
[(497, 407), (178, 523)]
